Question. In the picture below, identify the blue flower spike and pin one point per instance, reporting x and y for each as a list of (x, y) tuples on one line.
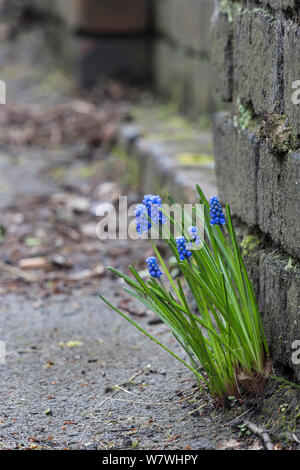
[(142, 222), (149, 209), (195, 237), (153, 267), (182, 248), (216, 212), (153, 204)]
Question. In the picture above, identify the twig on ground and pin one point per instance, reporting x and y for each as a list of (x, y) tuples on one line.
[(154, 403), (123, 390), (193, 411), (237, 419), (17, 272), (293, 437), (262, 433), (119, 389), (134, 376), (84, 432)]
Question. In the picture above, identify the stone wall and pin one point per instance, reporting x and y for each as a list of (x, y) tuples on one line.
[(256, 59), (181, 53)]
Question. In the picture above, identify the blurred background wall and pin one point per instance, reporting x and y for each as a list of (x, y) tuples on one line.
[(181, 53), (161, 42)]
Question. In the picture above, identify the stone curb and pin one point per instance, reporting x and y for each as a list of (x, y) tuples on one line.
[(160, 169)]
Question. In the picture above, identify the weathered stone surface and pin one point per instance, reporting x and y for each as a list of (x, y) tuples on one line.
[(221, 53), (280, 4), (279, 302), (276, 280), (261, 188), (257, 50), (236, 156), (292, 77), (278, 198)]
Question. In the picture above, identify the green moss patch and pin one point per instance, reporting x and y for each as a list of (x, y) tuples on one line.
[(249, 245), (281, 411), (278, 133), (195, 159)]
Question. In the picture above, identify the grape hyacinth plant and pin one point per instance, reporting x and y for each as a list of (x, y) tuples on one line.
[(223, 338)]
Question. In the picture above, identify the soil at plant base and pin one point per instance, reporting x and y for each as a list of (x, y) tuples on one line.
[(76, 375)]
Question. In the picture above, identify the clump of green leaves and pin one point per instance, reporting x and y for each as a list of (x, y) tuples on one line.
[(224, 339)]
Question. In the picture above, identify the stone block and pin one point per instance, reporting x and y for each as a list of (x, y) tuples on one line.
[(279, 302), (292, 77), (221, 54), (276, 279), (278, 198), (262, 188), (257, 60), (237, 156)]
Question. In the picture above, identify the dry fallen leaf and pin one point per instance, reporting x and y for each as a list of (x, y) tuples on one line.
[(242, 377), (256, 446), (33, 263), (278, 446), (87, 274), (71, 344), (231, 444)]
